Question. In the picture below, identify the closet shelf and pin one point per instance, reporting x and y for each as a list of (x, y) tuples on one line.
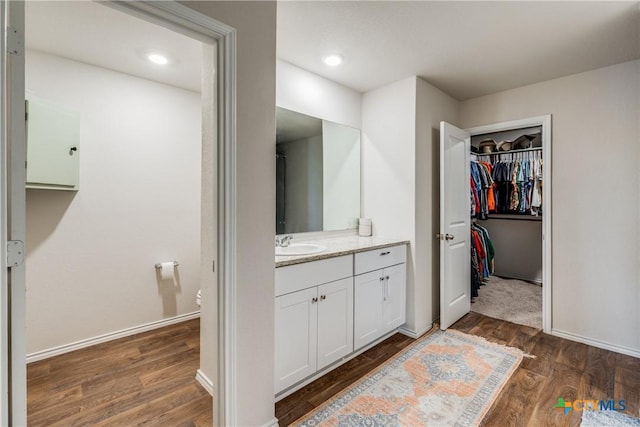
[(524, 150)]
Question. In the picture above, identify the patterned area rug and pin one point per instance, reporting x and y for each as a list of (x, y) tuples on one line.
[(607, 418), (445, 379)]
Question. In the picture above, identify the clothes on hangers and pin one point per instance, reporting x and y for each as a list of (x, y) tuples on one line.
[(482, 190), (482, 257), (516, 184)]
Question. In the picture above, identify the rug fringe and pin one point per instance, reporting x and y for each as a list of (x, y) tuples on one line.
[(514, 350)]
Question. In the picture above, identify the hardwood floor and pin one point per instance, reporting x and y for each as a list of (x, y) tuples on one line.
[(561, 368), (147, 378)]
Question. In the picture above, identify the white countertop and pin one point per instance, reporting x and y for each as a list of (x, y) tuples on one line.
[(338, 246)]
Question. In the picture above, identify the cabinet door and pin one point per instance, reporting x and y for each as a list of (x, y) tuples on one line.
[(367, 308), (394, 297), (335, 321), (296, 318), (53, 135)]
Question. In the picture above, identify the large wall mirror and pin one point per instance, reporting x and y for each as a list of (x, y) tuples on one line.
[(317, 174)]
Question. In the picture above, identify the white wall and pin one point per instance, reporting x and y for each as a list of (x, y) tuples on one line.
[(308, 93), (255, 23), (340, 176), (433, 106), (388, 166), (596, 233), (91, 254), (401, 124), (518, 246)]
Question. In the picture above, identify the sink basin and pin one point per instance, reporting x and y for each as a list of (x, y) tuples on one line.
[(299, 249)]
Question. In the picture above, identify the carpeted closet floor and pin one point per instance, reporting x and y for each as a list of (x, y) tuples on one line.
[(513, 300)]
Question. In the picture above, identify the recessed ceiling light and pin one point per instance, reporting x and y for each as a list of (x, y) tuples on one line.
[(333, 60), (157, 58)]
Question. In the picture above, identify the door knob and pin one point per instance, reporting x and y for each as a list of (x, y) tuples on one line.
[(444, 236)]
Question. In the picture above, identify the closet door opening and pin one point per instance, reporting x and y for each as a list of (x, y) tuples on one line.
[(510, 221)]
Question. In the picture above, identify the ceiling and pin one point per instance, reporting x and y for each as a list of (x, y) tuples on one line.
[(89, 32), (467, 49)]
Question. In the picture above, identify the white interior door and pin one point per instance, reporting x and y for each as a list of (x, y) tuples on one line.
[(12, 217), (455, 289)]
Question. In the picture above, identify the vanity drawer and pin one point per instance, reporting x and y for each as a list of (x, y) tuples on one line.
[(380, 258), (301, 276)]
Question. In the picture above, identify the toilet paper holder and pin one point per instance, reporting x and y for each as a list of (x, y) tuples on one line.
[(175, 264)]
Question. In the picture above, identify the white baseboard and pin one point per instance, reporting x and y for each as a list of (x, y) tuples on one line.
[(66, 348), (272, 423), (413, 334), (204, 381), (596, 343)]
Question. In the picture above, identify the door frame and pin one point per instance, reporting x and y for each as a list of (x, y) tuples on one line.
[(545, 122), (182, 19), (12, 200)]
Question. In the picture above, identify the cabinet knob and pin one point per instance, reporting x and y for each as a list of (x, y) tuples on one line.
[(386, 277), (323, 297), (385, 253), (314, 300), (381, 278), (72, 150)]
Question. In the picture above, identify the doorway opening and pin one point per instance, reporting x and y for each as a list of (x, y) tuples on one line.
[(217, 130), (496, 222), (114, 142), (507, 222)]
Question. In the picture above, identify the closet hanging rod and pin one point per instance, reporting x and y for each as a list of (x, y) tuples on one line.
[(509, 152), (514, 217)]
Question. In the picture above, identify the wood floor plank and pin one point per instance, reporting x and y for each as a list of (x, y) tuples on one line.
[(627, 388), (146, 377), (545, 349), (516, 403), (506, 332), (573, 354), (150, 412), (469, 321), (599, 375), (45, 403)]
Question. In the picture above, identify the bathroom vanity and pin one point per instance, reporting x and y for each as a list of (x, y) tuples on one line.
[(332, 306)]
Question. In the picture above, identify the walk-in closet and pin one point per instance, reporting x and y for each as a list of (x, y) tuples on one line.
[(506, 181)]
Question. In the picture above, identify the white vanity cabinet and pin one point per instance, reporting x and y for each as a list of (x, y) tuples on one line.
[(313, 318), (379, 293)]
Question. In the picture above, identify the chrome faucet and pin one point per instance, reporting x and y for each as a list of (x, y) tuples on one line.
[(283, 241)]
